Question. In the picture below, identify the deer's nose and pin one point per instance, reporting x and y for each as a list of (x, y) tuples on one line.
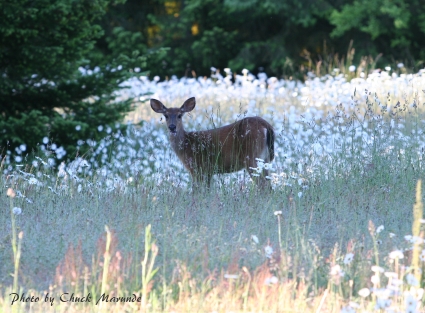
[(172, 128)]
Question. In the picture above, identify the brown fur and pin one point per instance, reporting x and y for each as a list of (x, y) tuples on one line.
[(221, 150)]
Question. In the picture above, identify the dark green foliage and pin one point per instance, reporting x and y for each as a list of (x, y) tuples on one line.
[(281, 36), (51, 80), (395, 28), (207, 50), (228, 33)]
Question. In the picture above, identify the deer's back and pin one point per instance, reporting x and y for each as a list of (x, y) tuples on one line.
[(225, 149)]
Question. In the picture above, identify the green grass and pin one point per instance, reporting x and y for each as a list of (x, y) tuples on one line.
[(202, 237), (185, 252)]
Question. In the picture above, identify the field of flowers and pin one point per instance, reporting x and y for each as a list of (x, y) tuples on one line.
[(119, 229)]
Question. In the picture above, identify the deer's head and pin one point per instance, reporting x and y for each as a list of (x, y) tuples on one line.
[(173, 116)]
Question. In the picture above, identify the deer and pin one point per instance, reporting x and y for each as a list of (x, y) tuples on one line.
[(220, 150)]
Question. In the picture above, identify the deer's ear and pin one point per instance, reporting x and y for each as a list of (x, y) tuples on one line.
[(157, 106), (188, 105)]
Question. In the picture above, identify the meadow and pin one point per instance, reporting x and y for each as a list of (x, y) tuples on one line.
[(119, 229)]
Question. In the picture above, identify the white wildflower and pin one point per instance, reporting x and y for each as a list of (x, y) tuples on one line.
[(337, 271), (271, 280), (391, 274), (382, 304), (277, 213), (417, 240), (231, 276), (348, 258), (413, 239), (352, 68), (410, 302), (396, 254), (33, 181), (255, 239), (377, 269), (16, 210), (268, 166), (411, 280), (383, 293), (268, 250), (20, 194), (375, 279), (379, 229), (364, 292), (62, 172)]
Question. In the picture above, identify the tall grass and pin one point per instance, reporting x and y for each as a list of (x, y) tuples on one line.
[(346, 163)]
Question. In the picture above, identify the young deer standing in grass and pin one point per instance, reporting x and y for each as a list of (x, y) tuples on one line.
[(221, 150)]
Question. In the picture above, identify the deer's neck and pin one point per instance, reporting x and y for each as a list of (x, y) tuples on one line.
[(178, 142)]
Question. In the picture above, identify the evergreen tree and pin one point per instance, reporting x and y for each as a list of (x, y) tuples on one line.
[(52, 81)]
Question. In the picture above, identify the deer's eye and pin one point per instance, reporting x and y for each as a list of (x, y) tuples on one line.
[(179, 116), (166, 117)]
